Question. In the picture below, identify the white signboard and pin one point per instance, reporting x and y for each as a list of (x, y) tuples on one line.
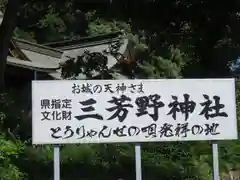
[(110, 111)]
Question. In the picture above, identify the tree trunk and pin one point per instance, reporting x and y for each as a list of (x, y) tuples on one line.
[(6, 31)]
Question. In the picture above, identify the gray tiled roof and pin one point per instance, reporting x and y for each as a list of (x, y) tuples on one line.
[(41, 58), (37, 48), (35, 66), (85, 41), (95, 48), (47, 59)]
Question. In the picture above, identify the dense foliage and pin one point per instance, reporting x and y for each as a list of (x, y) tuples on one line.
[(173, 39)]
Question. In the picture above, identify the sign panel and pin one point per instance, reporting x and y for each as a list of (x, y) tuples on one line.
[(111, 111)]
